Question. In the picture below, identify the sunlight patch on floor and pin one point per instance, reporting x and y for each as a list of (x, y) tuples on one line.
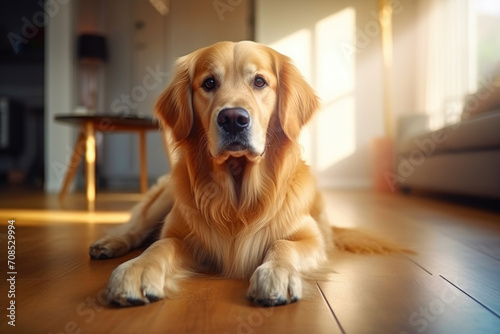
[(42, 217)]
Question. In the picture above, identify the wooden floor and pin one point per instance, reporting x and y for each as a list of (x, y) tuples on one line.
[(451, 286)]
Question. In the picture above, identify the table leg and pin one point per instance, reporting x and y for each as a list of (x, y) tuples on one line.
[(90, 157), (143, 161), (76, 157)]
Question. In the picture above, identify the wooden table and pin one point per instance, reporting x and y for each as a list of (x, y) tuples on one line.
[(86, 145)]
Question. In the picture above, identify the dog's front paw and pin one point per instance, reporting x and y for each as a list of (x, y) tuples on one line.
[(272, 285), (109, 247), (136, 282)]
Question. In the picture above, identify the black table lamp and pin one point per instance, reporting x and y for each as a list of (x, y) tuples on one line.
[(93, 47)]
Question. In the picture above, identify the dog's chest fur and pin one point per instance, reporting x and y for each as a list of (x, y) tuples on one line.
[(232, 256), (230, 233)]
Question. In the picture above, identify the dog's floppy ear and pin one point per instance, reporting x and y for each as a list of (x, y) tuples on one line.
[(297, 100), (174, 107)]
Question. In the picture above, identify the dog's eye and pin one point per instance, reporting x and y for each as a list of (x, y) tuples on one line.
[(209, 84), (259, 82)]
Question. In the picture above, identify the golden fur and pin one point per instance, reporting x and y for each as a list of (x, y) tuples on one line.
[(242, 208)]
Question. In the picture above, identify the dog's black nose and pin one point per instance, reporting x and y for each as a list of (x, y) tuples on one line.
[(233, 120)]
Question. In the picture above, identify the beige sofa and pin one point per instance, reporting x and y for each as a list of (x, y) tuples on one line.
[(463, 158)]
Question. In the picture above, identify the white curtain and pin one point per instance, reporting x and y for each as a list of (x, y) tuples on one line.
[(446, 58)]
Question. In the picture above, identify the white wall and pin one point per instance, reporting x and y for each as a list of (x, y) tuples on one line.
[(192, 24), (59, 94), (337, 47)]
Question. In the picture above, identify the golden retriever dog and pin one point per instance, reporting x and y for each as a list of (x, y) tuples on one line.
[(239, 201)]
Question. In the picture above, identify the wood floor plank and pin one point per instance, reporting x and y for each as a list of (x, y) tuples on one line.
[(449, 287), (405, 304), (51, 251), (474, 272), (203, 306), (461, 244), (60, 289)]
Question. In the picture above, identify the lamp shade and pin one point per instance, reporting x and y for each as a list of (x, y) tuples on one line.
[(92, 46)]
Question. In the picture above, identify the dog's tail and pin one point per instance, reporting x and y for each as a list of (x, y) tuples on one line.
[(362, 242)]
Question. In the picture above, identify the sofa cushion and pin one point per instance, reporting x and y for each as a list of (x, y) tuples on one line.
[(476, 133), (485, 99)]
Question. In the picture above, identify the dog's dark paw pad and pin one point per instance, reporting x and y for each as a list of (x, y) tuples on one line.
[(268, 302), (152, 298), (98, 253), (135, 302), (101, 256), (116, 303)]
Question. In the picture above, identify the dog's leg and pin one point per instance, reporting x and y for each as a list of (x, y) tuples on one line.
[(144, 218), (277, 280), (151, 276)]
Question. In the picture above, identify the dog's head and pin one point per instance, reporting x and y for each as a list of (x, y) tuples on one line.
[(236, 95)]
